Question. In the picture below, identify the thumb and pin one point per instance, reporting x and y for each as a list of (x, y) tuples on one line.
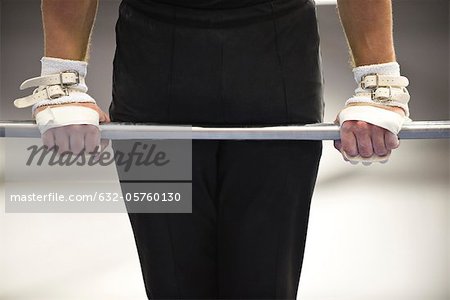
[(103, 117), (337, 121)]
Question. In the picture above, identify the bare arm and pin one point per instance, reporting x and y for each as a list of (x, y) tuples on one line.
[(67, 27), (67, 31), (369, 31), (368, 27)]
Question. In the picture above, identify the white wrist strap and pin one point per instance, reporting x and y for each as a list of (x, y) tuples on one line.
[(59, 116), (390, 96), (391, 69), (382, 85), (384, 118), (62, 81), (386, 95), (376, 80), (51, 87), (66, 78), (379, 84)]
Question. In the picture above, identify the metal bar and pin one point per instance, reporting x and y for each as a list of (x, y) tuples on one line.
[(319, 131)]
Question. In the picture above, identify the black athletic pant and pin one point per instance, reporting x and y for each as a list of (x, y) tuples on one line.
[(251, 66)]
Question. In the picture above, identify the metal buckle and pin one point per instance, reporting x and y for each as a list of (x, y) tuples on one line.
[(48, 94), (363, 85), (66, 91), (69, 84), (56, 96), (383, 99)]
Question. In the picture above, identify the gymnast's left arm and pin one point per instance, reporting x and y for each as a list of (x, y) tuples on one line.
[(373, 116)]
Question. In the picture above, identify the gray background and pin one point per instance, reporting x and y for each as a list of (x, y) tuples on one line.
[(375, 233)]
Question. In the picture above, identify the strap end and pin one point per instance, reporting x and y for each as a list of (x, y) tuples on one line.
[(20, 103), (26, 84)]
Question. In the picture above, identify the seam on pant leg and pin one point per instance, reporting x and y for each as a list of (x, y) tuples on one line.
[(280, 61), (277, 292), (219, 218), (170, 75), (172, 249), (222, 79), (314, 175)]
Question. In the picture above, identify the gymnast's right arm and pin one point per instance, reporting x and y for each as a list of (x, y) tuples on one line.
[(67, 116), (67, 27)]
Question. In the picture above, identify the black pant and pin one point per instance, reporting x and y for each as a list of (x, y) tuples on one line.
[(256, 65)]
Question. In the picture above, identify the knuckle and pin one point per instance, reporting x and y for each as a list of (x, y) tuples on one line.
[(361, 128), (77, 127), (364, 147), (91, 129), (365, 154), (378, 130), (392, 144), (381, 152), (379, 149), (77, 150), (71, 129), (361, 123), (365, 151), (350, 150), (347, 125)]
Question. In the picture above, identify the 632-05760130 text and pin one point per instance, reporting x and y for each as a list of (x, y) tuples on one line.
[(101, 197)]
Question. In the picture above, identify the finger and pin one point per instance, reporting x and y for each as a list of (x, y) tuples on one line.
[(391, 140), (337, 121), (92, 140), (104, 117), (354, 160), (103, 144), (107, 118), (61, 140), (386, 158), (76, 139), (338, 144), (48, 139), (378, 143), (364, 143), (344, 156), (348, 141)]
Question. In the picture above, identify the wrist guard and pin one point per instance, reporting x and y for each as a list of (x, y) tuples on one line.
[(61, 82)]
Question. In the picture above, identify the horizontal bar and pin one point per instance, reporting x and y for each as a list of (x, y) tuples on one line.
[(318, 131)]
